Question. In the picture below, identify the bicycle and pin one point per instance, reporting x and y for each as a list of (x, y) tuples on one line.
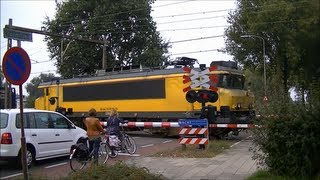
[(80, 155), (127, 144)]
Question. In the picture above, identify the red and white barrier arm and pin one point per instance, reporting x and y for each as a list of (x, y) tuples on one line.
[(232, 126), (148, 124), (176, 125)]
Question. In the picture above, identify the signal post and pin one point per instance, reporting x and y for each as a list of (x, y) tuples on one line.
[(202, 90)]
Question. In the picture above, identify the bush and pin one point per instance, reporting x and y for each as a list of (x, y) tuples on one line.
[(114, 172), (288, 143)]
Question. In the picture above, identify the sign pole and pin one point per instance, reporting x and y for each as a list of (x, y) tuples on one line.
[(23, 138), (16, 68)]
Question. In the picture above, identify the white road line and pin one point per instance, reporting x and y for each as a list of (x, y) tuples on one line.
[(167, 141), (127, 154), (241, 141), (11, 176), (56, 165), (148, 145), (235, 143)]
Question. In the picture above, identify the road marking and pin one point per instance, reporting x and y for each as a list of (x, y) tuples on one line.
[(148, 145), (127, 154), (241, 141), (56, 165), (235, 143), (167, 141), (11, 176)]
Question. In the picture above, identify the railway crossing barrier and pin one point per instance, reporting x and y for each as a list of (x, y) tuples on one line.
[(193, 131), (132, 124)]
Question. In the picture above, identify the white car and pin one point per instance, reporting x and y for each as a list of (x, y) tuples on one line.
[(48, 134)]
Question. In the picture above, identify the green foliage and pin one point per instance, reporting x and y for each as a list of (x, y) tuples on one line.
[(291, 33), (32, 88), (114, 172), (126, 27), (265, 175), (288, 141)]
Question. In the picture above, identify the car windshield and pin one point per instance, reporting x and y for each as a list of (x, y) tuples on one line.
[(232, 81), (3, 120)]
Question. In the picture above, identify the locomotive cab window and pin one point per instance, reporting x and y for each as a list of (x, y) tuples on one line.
[(231, 81)]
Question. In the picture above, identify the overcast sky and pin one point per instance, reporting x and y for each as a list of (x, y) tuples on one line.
[(178, 22)]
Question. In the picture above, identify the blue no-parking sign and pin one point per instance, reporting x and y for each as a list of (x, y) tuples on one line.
[(16, 66)]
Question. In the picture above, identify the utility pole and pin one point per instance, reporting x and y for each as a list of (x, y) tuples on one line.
[(264, 62), (7, 88), (104, 54)]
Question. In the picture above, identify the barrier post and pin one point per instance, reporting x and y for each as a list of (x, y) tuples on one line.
[(193, 131)]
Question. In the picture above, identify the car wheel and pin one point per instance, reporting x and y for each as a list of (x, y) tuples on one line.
[(29, 158)]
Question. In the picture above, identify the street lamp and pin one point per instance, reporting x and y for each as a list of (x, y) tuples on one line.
[(264, 61)]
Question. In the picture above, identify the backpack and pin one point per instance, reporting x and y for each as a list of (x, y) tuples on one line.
[(114, 141), (82, 151)]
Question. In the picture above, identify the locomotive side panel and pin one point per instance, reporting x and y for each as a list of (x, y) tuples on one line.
[(160, 97)]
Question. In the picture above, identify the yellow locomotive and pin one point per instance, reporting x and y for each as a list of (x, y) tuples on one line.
[(150, 95)]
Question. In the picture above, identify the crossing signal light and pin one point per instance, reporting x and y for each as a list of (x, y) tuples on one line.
[(201, 96), (191, 96), (207, 96)]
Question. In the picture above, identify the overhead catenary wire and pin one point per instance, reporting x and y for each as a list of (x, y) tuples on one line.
[(194, 52), (196, 39), (194, 28), (40, 72), (104, 16), (129, 11)]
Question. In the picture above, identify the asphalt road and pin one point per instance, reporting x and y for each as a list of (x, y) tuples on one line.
[(59, 167)]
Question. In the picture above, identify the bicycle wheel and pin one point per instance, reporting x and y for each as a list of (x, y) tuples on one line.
[(103, 154), (130, 144), (76, 162)]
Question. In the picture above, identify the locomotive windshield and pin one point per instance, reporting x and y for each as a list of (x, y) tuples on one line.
[(231, 81)]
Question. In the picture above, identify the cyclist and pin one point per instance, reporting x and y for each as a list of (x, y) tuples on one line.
[(94, 129), (113, 126)]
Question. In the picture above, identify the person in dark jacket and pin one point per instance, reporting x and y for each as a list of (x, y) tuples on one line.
[(113, 126), (113, 123)]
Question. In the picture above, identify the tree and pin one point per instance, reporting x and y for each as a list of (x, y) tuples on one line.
[(291, 33), (125, 26), (286, 140), (32, 88)]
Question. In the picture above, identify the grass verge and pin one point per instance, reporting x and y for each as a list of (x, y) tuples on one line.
[(191, 151)]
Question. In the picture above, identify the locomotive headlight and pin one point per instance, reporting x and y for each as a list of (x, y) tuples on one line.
[(250, 106), (238, 106)]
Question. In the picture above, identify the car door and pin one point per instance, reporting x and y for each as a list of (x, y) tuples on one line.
[(64, 133), (44, 135)]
